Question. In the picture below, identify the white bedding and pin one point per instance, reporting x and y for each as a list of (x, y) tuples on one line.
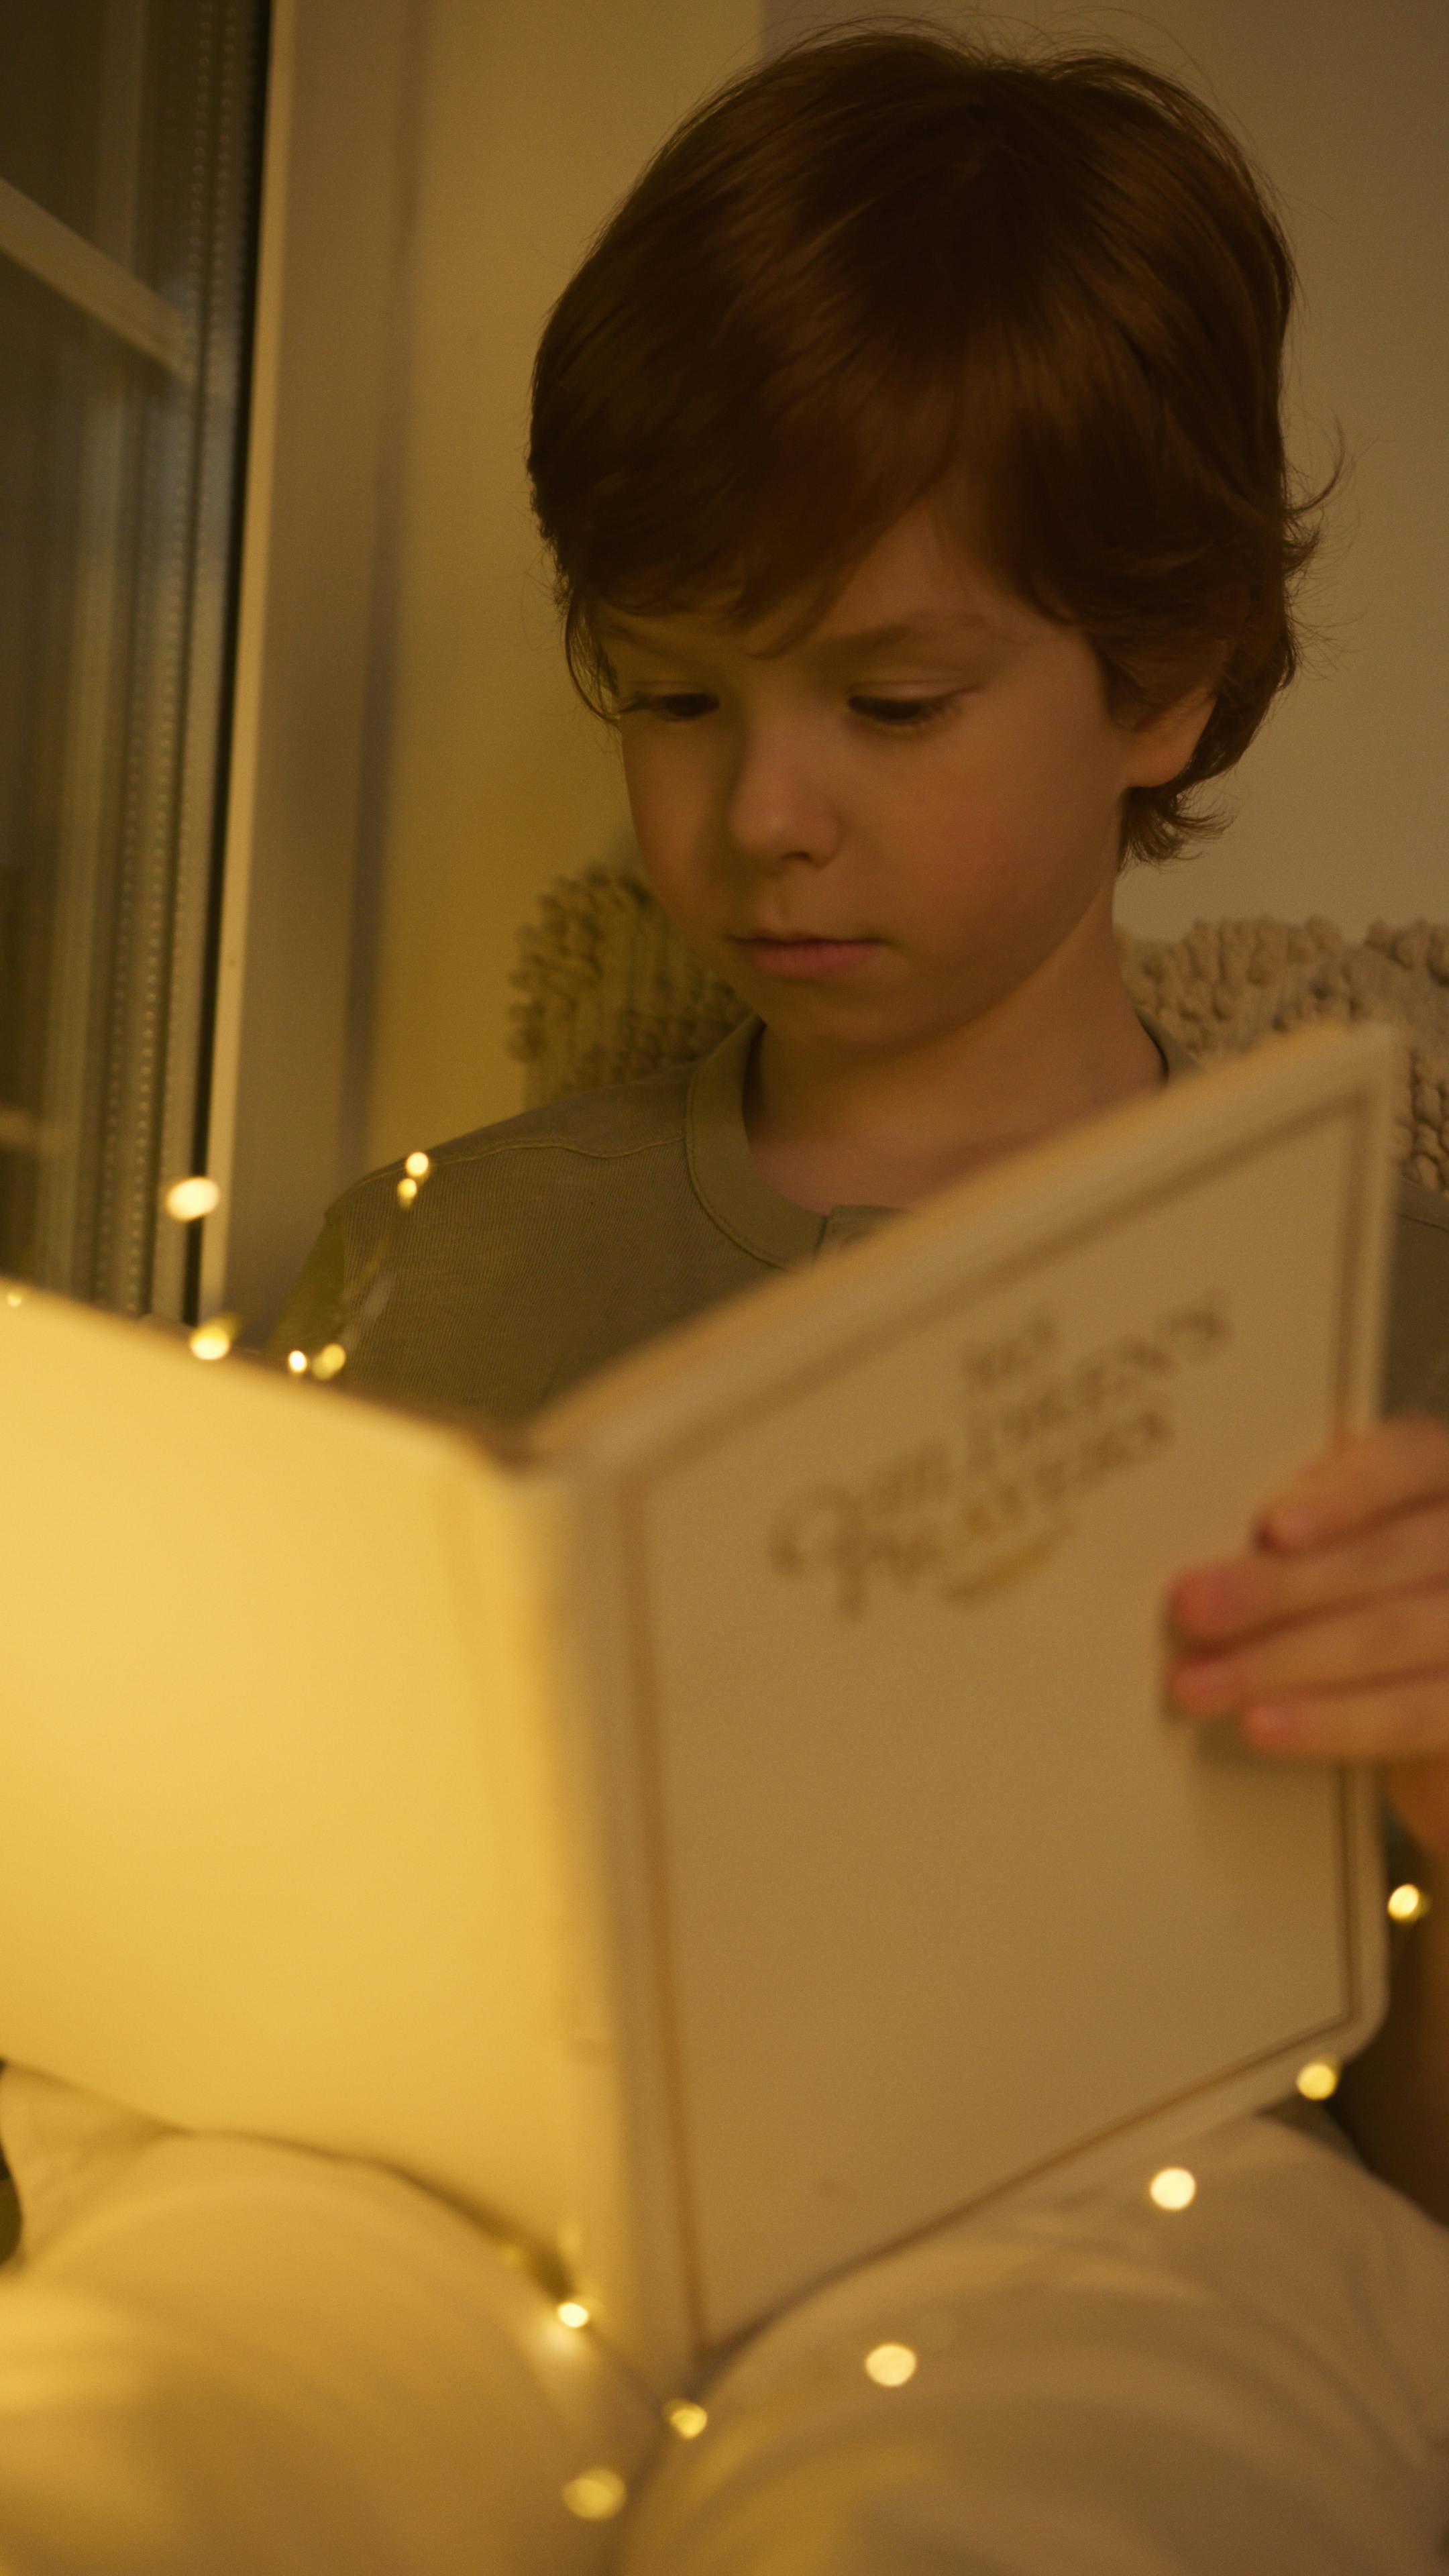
[(255, 2361), (1255, 2386)]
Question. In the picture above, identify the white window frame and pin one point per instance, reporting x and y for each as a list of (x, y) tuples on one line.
[(306, 791)]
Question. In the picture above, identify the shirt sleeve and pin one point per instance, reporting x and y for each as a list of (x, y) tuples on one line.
[(313, 1311)]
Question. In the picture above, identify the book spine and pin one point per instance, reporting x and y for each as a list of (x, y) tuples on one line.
[(568, 1652)]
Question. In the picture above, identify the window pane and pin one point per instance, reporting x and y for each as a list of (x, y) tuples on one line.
[(120, 474), (98, 100), (52, 59)]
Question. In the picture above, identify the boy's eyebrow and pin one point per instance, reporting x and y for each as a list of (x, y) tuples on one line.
[(869, 639)]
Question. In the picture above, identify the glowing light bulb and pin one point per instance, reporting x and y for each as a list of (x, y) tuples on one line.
[(1407, 1903), (573, 2312), (213, 1339), (1317, 2079), (329, 1361), (186, 1200), (685, 2418), (297, 1363), (890, 2365), (418, 1165), (1173, 2188), (595, 2495), (13, 1297), (407, 1191)]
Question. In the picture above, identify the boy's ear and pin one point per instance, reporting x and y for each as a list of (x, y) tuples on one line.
[(1163, 744)]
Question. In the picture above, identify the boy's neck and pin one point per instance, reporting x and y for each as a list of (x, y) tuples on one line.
[(865, 1131)]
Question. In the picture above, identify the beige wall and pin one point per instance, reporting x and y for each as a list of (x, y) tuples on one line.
[(535, 122)]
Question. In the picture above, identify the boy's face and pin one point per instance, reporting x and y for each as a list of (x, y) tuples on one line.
[(768, 799)]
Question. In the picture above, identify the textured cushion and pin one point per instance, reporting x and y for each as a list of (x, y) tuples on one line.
[(610, 991)]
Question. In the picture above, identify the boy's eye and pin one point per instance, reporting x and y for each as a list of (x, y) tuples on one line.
[(897, 715), (904, 711)]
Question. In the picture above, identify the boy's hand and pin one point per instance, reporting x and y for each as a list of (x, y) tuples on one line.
[(1332, 1642)]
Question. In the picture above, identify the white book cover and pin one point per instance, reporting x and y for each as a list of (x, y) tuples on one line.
[(735, 1825)]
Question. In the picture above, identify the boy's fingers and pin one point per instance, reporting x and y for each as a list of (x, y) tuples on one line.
[(1400, 1461), (1405, 1721), (1381, 1644), (1249, 1593)]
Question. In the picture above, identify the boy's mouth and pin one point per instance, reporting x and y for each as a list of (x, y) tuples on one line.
[(804, 939), (808, 955)]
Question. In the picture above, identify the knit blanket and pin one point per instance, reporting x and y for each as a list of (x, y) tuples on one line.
[(610, 991)]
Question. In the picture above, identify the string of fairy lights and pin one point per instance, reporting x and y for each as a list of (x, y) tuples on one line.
[(599, 2492), (365, 1298)]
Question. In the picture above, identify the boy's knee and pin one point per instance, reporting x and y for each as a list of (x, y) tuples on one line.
[(259, 2360), (1259, 2382)]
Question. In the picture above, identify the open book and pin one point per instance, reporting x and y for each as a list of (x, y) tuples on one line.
[(737, 1824)]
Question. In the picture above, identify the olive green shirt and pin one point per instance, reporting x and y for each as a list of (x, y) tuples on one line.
[(543, 1247)]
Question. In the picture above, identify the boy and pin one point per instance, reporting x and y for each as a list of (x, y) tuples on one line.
[(925, 563), (974, 363), (926, 557)]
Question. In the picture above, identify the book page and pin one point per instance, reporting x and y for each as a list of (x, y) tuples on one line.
[(945, 1893)]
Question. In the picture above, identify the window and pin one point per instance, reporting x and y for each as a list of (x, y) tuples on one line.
[(129, 159)]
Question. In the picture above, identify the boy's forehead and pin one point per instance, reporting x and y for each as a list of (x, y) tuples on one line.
[(928, 627), (924, 586)]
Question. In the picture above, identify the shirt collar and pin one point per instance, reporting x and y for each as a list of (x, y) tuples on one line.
[(731, 1189)]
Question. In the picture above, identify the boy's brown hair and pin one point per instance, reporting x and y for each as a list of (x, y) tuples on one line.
[(1045, 291)]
